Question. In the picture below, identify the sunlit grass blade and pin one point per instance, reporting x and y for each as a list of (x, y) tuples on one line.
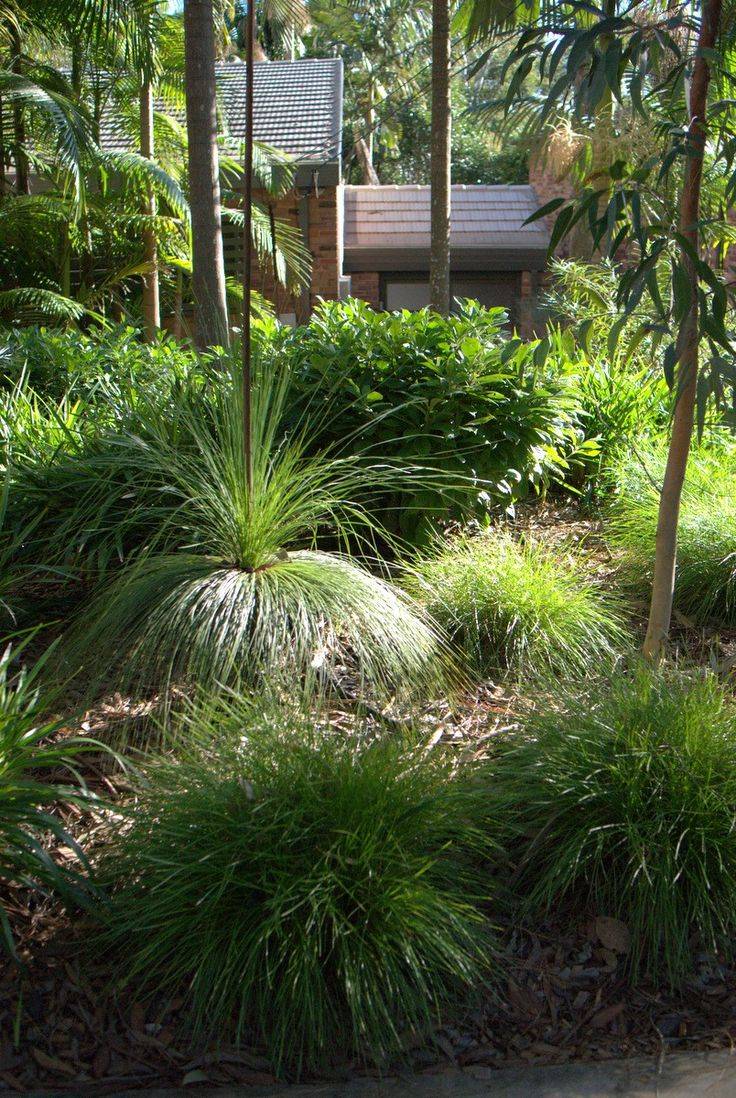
[(621, 800), (705, 580)]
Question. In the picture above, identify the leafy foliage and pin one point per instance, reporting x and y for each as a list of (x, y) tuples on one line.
[(312, 887), (58, 366), (518, 604), (624, 798), (630, 159), (455, 393), (705, 581), (31, 766)]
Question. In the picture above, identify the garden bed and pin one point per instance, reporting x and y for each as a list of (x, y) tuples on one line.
[(563, 994), (564, 998)]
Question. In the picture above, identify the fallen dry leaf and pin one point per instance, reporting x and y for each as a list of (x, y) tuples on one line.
[(603, 1017), (613, 934), (51, 1063)]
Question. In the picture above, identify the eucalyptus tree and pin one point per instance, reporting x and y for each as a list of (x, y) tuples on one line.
[(672, 67), (384, 47)]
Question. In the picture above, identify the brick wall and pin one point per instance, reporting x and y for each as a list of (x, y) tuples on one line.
[(549, 183), (323, 243), (366, 285)]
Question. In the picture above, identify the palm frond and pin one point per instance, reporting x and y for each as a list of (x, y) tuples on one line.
[(278, 244), (29, 304), (143, 173), (70, 125)]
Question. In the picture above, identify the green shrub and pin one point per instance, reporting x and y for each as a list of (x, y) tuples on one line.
[(315, 891), (455, 393), (59, 364), (517, 604), (625, 800), (28, 750), (611, 364), (234, 586), (705, 581)]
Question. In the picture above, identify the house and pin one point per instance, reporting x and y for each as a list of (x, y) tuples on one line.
[(495, 256), (371, 242)]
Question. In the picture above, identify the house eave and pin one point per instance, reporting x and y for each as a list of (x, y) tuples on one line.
[(482, 259)]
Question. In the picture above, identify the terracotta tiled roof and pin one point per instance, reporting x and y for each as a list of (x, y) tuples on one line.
[(482, 217)]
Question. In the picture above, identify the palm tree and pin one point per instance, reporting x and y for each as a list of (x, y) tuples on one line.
[(151, 292), (208, 263), (441, 163)]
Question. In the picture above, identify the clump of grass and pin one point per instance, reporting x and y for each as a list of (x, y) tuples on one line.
[(625, 801), (705, 582), (517, 604), (312, 891)]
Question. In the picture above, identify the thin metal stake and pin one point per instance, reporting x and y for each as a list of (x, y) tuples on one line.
[(248, 246)]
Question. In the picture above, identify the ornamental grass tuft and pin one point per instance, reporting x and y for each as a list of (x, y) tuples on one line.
[(309, 891), (623, 802), (37, 773), (517, 604), (705, 581)]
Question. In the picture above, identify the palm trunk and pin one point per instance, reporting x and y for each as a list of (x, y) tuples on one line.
[(439, 261), (22, 178), (77, 72), (208, 265), (665, 560), (151, 303), (3, 179)]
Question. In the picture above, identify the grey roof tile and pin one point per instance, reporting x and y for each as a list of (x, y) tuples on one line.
[(398, 217), (297, 109)]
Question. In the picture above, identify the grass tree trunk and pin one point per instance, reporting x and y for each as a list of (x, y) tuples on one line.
[(441, 164), (665, 560), (151, 300), (208, 265)]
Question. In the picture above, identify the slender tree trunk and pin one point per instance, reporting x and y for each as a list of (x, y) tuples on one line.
[(77, 71), (208, 265), (179, 306), (22, 178), (3, 178), (151, 304), (370, 175), (441, 165), (250, 35), (665, 560)]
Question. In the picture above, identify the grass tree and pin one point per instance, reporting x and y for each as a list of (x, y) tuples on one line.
[(231, 585), (664, 68)]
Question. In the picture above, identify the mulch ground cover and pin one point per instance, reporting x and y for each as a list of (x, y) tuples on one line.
[(65, 1025)]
